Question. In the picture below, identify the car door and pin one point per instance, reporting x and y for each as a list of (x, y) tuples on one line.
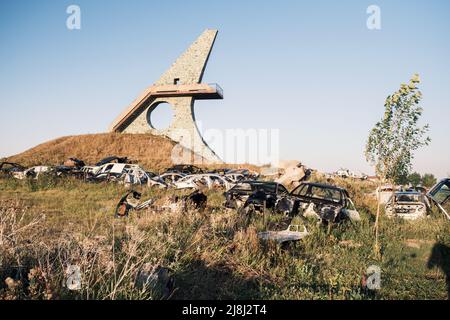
[(440, 194)]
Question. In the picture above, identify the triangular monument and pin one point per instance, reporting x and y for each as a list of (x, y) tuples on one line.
[(180, 86)]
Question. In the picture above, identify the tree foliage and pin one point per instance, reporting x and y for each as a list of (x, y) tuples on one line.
[(392, 142), (415, 178), (426, 180)]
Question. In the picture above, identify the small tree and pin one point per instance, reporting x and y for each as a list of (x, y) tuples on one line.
[(414, 178), (428, 180), (395, 137)]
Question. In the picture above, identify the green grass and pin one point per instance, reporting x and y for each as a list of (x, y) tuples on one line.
[(212, 255)]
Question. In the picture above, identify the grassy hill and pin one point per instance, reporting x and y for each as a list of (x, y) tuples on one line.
[(152, 152)]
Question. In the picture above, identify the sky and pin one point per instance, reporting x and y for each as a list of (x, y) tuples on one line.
[(311, 69)]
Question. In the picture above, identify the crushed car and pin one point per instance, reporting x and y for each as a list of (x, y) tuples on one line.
[(132, 201), (112, 159), (74, 162), (346, 173), (65, 171), (247, 173), (129, 174), (7, 168), (55, 171), (409, 205), (234, 177), (257, 196), (33, 172), (325, 202), (187, 169), (207, 180), (171, 177)]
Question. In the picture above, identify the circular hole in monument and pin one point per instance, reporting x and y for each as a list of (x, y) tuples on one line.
[(160, 116)]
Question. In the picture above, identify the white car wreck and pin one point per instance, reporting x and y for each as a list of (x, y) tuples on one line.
[(126, 173), (32, 172), (209, 181), (346, 173), (409, 205)]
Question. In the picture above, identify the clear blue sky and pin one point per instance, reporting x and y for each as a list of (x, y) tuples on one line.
[(311, 69)]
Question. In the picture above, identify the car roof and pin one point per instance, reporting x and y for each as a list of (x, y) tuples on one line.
[(258, 182), (323, 185)]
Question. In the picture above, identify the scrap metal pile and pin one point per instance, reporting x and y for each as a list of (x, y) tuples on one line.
[(125, 171)]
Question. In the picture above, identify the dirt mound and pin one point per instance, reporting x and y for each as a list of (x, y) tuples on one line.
[(151, 152)]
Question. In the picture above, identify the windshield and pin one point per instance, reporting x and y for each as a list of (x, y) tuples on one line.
[(407, 197), (318, 192), (251, 187)]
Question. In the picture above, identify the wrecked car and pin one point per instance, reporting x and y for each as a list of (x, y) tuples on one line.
[(235, 177), (131, 201), (440, 195), (185, 168), (10, 167), (221, 171), (248, 174), (409, 205), (129, 174), (197, 181), (64, 171), (139, 176), (74, 162), (112, 159), (171, 177), (325, 202), (110, 171), (195, 200), (346, 173), (33, 172), (257, 196), (37, 171)]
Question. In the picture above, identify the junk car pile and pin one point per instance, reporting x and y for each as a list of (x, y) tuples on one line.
[(243, 192)]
